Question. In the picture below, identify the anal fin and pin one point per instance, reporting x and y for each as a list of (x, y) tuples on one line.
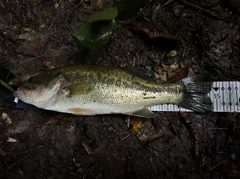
[(144, 112)]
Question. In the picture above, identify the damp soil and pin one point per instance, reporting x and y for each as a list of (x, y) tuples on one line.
[(37, 35)]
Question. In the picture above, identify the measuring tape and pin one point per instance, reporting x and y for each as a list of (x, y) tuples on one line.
[(225, 96)]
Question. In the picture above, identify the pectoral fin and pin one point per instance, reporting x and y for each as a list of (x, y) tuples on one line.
[(77, 89), (144, 112)]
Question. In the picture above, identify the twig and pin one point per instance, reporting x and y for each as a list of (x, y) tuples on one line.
[(40, 56), (168, 2), (217, 65), (212, 129), (210, 13), (126, 136), (65, 21), (216, 166), (20, 160), (6, 85)]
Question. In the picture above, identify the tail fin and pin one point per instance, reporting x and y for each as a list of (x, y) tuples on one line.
[(196, 97)]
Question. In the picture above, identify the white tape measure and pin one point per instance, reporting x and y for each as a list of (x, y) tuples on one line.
[(225, 96)]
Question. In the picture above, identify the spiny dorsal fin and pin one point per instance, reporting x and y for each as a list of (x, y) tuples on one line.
[(141, 72)]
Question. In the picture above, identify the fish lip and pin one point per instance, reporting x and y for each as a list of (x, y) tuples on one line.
[(17, 93), (20, 95)]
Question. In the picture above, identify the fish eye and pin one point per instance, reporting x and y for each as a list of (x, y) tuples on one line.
[(30, 79)]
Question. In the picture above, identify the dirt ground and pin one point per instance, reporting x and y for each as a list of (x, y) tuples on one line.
[(37, 35)]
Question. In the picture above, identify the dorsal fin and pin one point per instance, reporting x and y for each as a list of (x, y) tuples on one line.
[(141, 72)]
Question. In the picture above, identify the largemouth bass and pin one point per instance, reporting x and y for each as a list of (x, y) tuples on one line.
[(92, 90)]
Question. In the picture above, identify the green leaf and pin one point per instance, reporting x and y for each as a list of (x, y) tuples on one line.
[(106, 14), (94, 34), (128, 8)]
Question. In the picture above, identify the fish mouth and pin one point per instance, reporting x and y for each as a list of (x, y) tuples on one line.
[(20, 95), (24, 95)]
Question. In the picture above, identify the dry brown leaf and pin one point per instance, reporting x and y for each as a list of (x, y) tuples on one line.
[(135, 123), (182, 73), (172, 73), (153, 33), (37, 43)]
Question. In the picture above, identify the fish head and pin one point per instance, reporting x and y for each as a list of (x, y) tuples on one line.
[(40, 90)]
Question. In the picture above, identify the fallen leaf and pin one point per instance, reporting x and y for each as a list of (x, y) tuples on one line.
[(99, 4), (4, 115), (153, 33), (11, 140), (100, 27), (6, 118), (159, 74), (106, 14), (148, 132), (182, 73), (135, 123), (94, 34), (37, 43), (172, 73)]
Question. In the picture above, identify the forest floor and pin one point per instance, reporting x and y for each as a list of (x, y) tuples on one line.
[(37, 35)]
